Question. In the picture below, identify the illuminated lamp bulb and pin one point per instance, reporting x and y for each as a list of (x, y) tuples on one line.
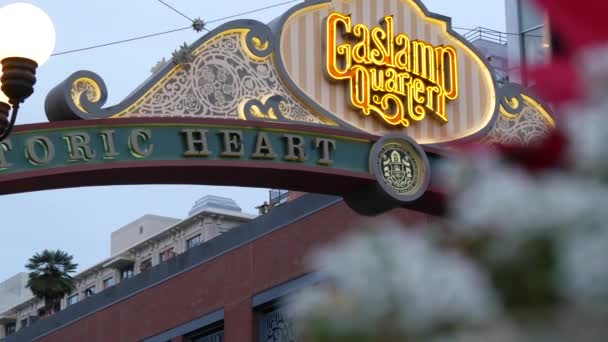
[(27, 32), (27, 40)]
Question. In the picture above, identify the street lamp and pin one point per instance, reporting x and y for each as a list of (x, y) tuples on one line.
[(27, 39)]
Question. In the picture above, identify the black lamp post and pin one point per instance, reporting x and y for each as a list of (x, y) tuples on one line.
[(18, 79), (29, 41)]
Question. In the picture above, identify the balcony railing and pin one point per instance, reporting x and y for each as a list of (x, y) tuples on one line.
[(278, 197), (486, 34)]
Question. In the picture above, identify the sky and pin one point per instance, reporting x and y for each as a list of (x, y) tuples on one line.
[(80, 220)]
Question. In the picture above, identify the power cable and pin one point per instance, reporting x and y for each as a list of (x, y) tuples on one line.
[(175, 10), (198, 25), (121, 41), (221, 19), (252, 11), (170, 31)]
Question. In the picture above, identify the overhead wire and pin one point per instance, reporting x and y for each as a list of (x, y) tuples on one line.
[(175, 10), (222, 19), (169, 31), (252, 11), (121, 41), (197, 24)]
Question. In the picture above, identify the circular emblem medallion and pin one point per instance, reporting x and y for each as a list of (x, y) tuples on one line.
[(400, 166)]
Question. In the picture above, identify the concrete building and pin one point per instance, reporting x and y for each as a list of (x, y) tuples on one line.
[(528, 38), (137, 231), (526, 42), (13, 292), (493, 45), (135, 248)]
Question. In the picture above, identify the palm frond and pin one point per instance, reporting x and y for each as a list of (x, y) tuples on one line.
[(49, 276)]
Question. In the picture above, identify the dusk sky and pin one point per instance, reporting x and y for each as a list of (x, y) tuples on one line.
[(80, 221)]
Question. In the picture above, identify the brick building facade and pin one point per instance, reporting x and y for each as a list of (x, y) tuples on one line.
[(223, 290)]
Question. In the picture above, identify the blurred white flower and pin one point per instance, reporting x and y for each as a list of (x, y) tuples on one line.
[(456, 174), (593, 66), (499, 196), (588, 133), (514, 204), (583, 275), (398, 278)]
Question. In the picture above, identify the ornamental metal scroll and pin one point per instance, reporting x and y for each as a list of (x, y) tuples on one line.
[(271, 108), (232, 70), (80, 96), (523, 118)]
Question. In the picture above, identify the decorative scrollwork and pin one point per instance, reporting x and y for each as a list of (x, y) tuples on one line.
[(511, 100), (522, 119), (269, 109), (259, 42), (80, 96), (229, 67), (85, 88), (222, 77)]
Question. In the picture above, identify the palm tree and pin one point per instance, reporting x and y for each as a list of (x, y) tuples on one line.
[(49, 277)]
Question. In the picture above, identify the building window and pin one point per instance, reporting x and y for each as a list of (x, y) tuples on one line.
[(214, 333), (73, 299), (108, 282), (89, 291), (214, 337), (193, 242), (23, 323), (145, 265), (10, 328), (166, 255), (127, 273), (274, 325)]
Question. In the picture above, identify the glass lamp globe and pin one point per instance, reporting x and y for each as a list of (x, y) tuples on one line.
[(27, 31)]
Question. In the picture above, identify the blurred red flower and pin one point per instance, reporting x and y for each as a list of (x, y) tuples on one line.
[(575, 25), (579, 23), (548, 153)]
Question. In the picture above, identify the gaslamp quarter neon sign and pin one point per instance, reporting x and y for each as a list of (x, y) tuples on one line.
[(390, 75)]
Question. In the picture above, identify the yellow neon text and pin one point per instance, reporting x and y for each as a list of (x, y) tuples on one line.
[(390, 75)]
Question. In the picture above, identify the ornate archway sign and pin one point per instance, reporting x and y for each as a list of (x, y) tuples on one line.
[(347, 97)]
